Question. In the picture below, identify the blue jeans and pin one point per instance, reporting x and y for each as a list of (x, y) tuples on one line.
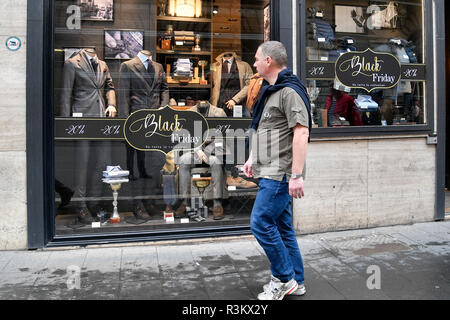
[(271, 224)]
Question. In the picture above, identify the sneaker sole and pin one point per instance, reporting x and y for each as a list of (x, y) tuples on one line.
[(298, 292)]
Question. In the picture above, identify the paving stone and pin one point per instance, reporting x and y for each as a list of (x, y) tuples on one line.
[(141, 290), (185, 289), (227, 287), (139, 264)]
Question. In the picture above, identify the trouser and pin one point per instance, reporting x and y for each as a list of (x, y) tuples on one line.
[(271, 224), (187, 163), (92, 157)]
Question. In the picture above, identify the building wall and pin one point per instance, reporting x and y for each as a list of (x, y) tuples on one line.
[(367, 183), (13, 202)]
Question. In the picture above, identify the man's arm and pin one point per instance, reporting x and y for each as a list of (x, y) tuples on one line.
[(299, 151)]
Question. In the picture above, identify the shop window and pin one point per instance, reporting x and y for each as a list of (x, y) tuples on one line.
[(151, 110), (365, 63)]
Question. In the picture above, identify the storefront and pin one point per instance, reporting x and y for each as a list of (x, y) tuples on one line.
[(137, 123)]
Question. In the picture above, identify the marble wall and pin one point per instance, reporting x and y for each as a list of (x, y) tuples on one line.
[(13, 202), (367, 183)]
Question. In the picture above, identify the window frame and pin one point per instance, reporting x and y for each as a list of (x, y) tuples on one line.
[(328, 133)]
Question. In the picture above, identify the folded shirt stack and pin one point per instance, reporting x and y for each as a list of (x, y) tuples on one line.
[(115, 174), (183, 68), (365, 103)]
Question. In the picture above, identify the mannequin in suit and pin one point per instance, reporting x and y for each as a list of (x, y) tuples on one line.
[(198, 156), (86, 84), (142, 85), (230, 78)]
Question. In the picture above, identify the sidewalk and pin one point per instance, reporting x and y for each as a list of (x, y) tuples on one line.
[(413, 261)]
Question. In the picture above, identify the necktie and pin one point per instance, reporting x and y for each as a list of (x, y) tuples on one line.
[(94, 65), (228, 64)]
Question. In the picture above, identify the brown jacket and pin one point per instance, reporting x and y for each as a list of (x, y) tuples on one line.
[(256, 83), (245, 73)]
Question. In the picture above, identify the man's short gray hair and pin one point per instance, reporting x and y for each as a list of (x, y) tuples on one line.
[(276, 51)]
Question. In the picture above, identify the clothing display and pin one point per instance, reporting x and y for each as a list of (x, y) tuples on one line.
[(341, 105), (230, 82), (183, 68), (141, 87), (86, 84), (84, 88), (365, 103), (214, 159)]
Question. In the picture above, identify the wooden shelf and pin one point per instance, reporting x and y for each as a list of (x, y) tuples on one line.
[(189, 86), (184, 19), (186, 53)]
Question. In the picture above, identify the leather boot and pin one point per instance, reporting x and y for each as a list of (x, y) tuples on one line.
[(85, 216), (140, 212), (181, 211), (218, 213)]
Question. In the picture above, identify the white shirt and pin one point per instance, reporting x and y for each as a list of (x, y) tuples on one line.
[(229, 64)]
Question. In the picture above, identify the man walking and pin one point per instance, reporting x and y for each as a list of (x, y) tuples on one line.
[(282, 120)]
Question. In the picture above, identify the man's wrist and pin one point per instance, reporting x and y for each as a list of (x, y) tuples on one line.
[(296, 176)]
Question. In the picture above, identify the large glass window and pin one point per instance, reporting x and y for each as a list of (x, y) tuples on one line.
[(350, 85), (151, 107)]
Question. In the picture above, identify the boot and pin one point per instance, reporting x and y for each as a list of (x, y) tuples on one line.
[(218, 213), (140, 212), (85, 216), (181, 211)]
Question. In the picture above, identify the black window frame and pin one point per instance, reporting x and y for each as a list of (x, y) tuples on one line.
[(40, 145), (370, 131)]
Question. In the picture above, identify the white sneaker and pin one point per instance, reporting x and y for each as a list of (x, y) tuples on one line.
[(301, 290), (276, 290)]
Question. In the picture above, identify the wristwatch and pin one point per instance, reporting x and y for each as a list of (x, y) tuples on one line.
[(295, 176)]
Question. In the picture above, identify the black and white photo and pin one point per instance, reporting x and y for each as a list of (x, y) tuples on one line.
[(350, 19), (97, 10), (123, 44)]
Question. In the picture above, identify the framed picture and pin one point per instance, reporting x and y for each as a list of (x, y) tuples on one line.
[(350, 19), (123, 44), (97, 10)]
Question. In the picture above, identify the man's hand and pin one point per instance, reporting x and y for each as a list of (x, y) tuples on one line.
[(296, 188), (111, 112), (248, 168), (202, 156), (231, 104)]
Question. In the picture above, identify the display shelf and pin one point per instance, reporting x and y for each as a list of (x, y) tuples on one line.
[(185, 53), (189, 86), (184, 19)]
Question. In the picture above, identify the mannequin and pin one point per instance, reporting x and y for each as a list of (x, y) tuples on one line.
[(230, 79), (86, 83), (201, 156), (142, 85)]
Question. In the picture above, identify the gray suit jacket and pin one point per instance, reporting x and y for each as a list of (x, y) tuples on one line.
[(137, 90), (83, 90)]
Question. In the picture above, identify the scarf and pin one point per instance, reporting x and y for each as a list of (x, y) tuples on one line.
[(286, 79)]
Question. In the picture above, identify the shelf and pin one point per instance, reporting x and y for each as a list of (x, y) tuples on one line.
[(189, 86), (183, 19), (186, 53)]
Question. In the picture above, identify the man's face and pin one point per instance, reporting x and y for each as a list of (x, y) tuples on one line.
[(261, 63)]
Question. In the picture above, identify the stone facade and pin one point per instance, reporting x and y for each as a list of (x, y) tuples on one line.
[(13, 203), (367, 183)]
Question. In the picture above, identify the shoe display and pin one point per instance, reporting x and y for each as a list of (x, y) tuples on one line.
[(115, 172), (301, 290), (276, 290), (181, 211), (218, 213), (241, 183), (85, 216), (140, 212)]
